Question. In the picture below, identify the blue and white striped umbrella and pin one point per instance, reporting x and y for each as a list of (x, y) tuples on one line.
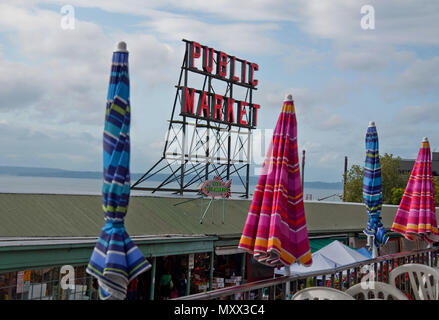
[(372, 187), (116, 260)]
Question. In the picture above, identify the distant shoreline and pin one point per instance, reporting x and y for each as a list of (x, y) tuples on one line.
[(60, 173)]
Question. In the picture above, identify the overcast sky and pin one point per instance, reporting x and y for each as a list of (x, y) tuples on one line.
[(53, 81)]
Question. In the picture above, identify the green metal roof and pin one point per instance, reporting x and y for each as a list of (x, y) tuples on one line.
[(43, 215)]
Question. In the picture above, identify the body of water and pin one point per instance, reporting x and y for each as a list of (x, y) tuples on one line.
[(55, 185)]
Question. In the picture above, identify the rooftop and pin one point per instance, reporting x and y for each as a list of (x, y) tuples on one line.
[(64, 216)]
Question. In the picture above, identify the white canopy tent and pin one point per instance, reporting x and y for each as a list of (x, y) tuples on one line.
[(335, 254), (319, 262), (341, 254)]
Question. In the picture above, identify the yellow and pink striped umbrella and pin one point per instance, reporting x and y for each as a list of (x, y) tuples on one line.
[(416, 215), (275, 231)]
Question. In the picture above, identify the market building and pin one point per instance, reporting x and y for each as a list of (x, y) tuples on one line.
[(406, 165), (42, 234)]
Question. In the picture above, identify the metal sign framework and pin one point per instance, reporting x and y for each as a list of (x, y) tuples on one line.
[(196, 147)]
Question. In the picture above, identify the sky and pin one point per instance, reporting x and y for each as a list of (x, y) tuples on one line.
[(54, 79)]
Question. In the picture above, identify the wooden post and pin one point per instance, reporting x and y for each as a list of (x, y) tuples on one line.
[(303, 169), (345, 176)]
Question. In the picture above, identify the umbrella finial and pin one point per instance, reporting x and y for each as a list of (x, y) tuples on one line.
[(122, 47), (372, 124), (289, 97)]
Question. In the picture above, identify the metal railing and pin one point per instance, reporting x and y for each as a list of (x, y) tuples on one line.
[(46, 284), (340, 278)]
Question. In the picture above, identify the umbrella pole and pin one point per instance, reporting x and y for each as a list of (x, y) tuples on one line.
[(371, 244), (374, 251), (287, 284), (430, 260)]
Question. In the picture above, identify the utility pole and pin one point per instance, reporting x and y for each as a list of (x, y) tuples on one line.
[(303, 170), (345, 176)]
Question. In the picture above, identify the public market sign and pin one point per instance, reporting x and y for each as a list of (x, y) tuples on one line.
[(217, 188), (211, 106)]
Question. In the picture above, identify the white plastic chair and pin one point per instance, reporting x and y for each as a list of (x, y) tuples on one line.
[(379, 290), (321, 293), (424, 280)]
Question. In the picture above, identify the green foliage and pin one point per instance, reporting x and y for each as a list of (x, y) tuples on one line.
[(436, 191), (391, 179), (354, 185), (397, 194)]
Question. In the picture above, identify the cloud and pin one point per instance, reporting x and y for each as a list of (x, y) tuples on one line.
[(65, 73), (371, 60), (49, 147), (16, 90), (420, 77), (418, 115), (396, 22), (225, 10), (247, 37), (55, 81)]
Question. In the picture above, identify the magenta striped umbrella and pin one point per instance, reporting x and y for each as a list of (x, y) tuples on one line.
[(275, 231), (416, 215)]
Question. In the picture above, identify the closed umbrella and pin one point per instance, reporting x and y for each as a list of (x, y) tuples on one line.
[(372, 194), (275, 231), (116, 260), (416, 214)]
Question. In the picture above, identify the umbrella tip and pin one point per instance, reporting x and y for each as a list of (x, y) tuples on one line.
[(122, 47), (372, 124), (289, 97)]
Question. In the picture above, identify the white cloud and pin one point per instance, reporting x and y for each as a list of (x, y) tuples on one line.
[(396, 22), (418, 115), (420, 77), (59, 77), (247, 37), (49, 147), (66, 72), (370, 59)]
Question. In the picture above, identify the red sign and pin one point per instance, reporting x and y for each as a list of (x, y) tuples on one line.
[(225, 65), (214, 107)]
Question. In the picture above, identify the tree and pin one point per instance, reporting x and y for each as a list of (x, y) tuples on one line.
[(397, 193), (391, 179), (354, 184)]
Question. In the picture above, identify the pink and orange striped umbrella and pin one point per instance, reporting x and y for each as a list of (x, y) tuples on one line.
[(275, 231), (416, 215)]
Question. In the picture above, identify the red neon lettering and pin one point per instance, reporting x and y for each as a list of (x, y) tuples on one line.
[(232, 70), (253, 67), (230, 117), (242, 112), (243, 71), (208, 59), (189, 98), (255, 114), (221, 64), (204, 106), (195, 53), (217, 106)]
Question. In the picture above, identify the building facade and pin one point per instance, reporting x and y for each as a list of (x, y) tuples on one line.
[(406, 165)]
